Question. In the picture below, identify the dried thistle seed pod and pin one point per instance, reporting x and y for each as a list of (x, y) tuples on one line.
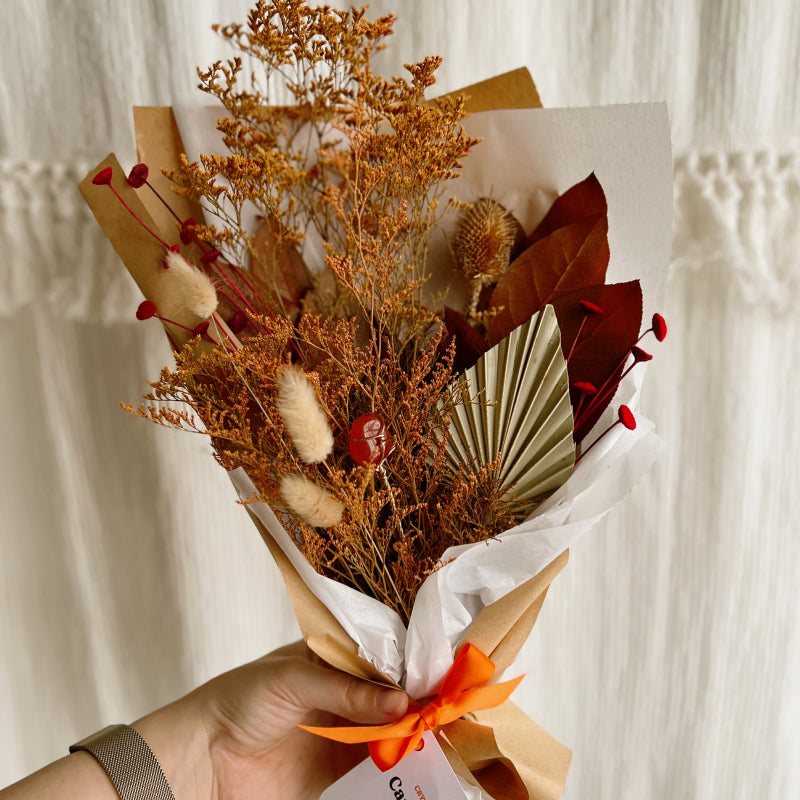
[(310, 502), (485, 237), (303, 416)]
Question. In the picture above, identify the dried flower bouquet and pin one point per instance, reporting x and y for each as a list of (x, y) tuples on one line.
[(400, 361)]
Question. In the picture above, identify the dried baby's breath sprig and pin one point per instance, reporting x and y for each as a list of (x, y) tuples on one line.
[(360, 158)]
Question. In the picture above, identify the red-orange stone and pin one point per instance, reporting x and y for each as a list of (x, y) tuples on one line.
[(369, 441)]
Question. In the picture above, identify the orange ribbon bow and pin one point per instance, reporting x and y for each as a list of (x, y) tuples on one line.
[(464, 689)]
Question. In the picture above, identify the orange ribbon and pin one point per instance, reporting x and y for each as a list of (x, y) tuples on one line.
[(464, 689)]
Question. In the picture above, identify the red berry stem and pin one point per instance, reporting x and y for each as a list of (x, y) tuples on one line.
[(222, 328), (126, 206), (587, 390), (589, 309), (606, 390), (658, 327), (624, 417), (240, 274), (233, 286), (193, 331), (163, 201), (575, 340)]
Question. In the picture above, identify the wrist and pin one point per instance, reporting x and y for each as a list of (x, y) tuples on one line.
[(178, 735)]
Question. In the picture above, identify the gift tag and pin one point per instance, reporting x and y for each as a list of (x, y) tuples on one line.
[(425, 774)]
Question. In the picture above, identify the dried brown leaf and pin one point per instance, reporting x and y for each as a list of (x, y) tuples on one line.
[(584, 199), (571, 257)]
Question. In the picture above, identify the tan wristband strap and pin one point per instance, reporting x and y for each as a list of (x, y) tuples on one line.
[(129, 762)]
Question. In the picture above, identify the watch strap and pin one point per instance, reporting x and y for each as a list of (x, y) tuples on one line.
[(129, 762)]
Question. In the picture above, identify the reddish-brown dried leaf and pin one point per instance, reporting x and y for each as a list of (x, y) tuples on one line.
[(279, 267), (604, 345), (584, 199), (570, 258), (469, 343)]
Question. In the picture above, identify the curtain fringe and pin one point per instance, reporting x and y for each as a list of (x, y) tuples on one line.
[(735, 214)]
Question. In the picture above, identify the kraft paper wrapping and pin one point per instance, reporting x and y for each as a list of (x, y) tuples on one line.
[(140, 251), (158, 142), (514, 89), (501, 750)]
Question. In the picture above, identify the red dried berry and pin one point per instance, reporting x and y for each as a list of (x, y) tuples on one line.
[(187, 231), (640, 355), (147, 309), (103, 178), (590, 308), (659, 327), (585, 387), (211, 255), (369, 441), (626, 418), (138, 175)]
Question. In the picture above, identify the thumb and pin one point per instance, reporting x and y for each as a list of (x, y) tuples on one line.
[(345, 696)]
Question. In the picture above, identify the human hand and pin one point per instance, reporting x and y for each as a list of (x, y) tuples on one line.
[(246, 743)]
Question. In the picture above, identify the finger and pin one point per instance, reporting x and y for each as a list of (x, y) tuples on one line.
[(313, 686)]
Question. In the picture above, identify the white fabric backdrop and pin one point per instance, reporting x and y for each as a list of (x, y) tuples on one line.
[(667, 654)]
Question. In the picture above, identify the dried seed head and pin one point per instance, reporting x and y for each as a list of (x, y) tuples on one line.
[(625, 416), (103, 178), (147, 309), (303, 416), (584, 387), (659, 327), (310, 502), (485, 237), (640, 355), (138, 175), (184, 286), (590, 308)]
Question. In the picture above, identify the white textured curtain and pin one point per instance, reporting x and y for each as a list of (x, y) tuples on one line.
[(667, 654)]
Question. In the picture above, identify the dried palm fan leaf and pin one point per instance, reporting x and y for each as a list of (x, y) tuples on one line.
[(514, 404)]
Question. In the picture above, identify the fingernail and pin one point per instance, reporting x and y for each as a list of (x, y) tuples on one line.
[(392, 701)]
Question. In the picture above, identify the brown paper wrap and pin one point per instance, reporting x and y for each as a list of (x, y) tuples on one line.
[(500, 749)]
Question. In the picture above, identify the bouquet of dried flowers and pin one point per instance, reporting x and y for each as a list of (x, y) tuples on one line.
[(392, 367)]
